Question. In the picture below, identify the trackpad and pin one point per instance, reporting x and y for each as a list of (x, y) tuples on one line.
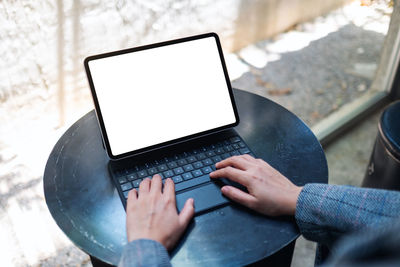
[(205, 197)]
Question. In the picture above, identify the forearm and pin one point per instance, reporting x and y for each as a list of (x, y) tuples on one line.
[(144, 252), (325, 212)]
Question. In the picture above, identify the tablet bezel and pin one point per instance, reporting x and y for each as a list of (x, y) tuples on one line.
[(167, 143)]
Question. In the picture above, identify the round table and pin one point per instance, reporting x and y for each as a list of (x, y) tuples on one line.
[(84, 203)]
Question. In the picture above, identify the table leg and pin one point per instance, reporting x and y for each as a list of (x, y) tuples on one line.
[(281, 258), (98, 263)]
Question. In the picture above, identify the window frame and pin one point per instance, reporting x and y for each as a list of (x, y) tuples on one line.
[(333, 126)]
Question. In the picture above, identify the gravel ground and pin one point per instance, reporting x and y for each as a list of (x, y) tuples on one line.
[(327, 73)]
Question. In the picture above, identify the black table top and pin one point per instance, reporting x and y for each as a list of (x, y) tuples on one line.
[(84, 203)]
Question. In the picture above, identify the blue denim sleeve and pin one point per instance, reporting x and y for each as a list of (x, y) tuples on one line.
[(144, 252), (325, 212)]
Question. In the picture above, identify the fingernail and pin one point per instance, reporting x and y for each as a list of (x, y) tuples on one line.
[(225, 189)]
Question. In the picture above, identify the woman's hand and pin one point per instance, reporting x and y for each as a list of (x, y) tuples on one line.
[(152, 214), (270, 192)]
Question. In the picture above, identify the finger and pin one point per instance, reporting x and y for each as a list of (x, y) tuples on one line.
[(156, 184), (248, 157), (169, 188), (239, 162), (231, 173), (239, 196), (144, 187), (132, 195), (187, 213)]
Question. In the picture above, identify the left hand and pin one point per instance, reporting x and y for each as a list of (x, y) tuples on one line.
[(153, 214)]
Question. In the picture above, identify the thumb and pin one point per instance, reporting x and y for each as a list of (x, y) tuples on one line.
[(187, 213), (239, 196)]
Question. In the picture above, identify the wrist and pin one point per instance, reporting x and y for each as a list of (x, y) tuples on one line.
[(292, 200)]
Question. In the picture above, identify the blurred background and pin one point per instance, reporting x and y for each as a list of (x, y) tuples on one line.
[(324, 60)]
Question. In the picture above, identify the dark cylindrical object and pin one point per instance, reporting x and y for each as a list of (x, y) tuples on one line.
[(384, 167)]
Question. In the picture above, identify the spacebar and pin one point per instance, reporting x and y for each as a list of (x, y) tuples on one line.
[(192, 182)]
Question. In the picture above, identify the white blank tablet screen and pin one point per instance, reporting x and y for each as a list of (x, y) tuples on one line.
[(156, 95)]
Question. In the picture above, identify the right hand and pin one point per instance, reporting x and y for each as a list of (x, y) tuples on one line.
[(270, 192)]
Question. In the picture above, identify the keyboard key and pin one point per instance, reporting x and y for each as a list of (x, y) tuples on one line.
[(235, 139), (219, 144), (201, 156), (191, 159), (207, 162), (178, 170), (138, 168), (162, 167), (207, 170), (126, 194), (228, 148), (216, 159), (152, 171), (131, 177), (241, 144), (190, 183), (168, 174), (219, 150), (187, 176), (197, 164), (126, 186), (172, 164), (197, 173), (244, 150), (235, 153), (225, 155), (182, 162), (210, 154), (196, 151), (235, 146), (188, 168), (136, 183), (177, 179), (122, 180), (142, 173)]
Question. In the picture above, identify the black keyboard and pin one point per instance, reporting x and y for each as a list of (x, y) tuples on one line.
[(186, 169)]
